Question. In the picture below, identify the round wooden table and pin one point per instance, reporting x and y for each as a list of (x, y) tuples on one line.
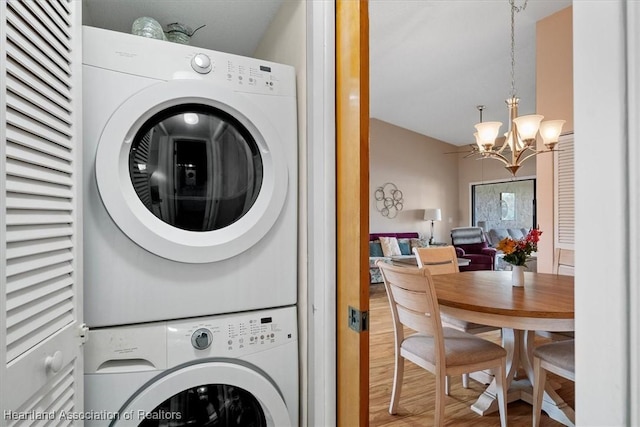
[(545, 303)]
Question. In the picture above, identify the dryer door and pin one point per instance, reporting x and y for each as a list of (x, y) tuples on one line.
[(191, 172), (214, 393)]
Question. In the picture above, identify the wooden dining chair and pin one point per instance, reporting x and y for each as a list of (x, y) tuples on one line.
[(558, 358), (564, 262), (443, 260), (440, 350)]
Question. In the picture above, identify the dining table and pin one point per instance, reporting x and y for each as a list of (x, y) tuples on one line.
[(544, 303)]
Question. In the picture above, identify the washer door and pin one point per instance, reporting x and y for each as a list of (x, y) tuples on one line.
[(191, 172), (214, 393)]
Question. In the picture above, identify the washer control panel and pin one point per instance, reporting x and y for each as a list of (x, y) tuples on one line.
[(231, 335)]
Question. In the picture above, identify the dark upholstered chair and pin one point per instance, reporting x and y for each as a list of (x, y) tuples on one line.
[(471, 244)]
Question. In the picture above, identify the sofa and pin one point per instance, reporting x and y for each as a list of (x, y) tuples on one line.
[(494, 235), (382, 246), (471, 244)]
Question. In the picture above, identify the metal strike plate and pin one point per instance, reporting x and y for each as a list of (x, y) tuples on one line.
[(358, 320)]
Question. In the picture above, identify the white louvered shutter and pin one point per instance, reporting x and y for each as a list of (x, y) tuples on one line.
[(41, 232), (564, 193)]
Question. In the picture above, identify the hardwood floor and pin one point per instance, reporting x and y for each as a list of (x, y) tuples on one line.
[(417, 400)]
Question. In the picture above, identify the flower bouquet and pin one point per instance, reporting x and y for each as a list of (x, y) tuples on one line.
[(517, 252)]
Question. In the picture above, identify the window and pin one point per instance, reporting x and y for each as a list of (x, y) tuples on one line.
[(508, 204)]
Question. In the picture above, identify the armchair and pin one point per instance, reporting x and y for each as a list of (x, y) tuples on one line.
[(471, 244)]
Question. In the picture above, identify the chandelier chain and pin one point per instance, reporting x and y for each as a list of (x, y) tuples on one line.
[(514, 9)]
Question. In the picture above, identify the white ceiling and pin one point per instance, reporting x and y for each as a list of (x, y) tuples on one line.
[(431, 61)]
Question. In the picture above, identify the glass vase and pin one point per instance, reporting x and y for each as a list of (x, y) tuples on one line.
[(517, 275), (147, 27)]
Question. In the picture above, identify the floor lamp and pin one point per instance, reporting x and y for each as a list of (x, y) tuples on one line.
[(432, 215)]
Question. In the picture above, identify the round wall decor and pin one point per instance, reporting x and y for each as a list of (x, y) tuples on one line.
[(389, 200)]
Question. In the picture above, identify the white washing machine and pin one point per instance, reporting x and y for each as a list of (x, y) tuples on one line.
[(190, 181), (228, 370)]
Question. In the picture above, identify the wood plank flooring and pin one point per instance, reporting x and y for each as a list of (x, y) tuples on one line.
[(417, 400)]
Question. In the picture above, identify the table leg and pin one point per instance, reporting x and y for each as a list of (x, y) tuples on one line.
[(519, 345), (512, 341)]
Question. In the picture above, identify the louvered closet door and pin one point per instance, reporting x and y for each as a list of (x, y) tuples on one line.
[(564, 193), (41, 233)]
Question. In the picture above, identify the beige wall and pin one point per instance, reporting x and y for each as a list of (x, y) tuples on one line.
[(427, 177), (554, 100)]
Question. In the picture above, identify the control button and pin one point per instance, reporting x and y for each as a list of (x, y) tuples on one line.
[(201, 339), (201, 63)]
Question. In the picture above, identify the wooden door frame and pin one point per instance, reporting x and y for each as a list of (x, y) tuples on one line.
[(352, 208)]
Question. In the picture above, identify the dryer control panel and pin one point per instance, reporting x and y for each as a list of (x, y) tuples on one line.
[(232, 335), (156, 59)]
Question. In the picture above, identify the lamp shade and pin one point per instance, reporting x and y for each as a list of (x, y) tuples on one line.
[(487, 133), (550, 131), (432, 215), (528, 125), (480, 147)]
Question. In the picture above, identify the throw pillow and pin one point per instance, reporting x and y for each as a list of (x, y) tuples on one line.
[(419, 243), (405, 246), (375, 249), (390, 246)]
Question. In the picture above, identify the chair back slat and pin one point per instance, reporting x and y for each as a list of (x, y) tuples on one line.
[(438, 260), (420, 322), (564, 262), (412, 300)]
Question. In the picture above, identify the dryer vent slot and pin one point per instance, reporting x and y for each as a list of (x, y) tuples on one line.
[(125, 365)]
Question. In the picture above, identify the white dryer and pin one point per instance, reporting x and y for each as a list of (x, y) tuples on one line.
[(190, 181), (227, 370)]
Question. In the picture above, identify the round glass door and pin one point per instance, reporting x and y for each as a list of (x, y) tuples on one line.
[(192, 172), (207, 393), (195, 167), (208, 405)]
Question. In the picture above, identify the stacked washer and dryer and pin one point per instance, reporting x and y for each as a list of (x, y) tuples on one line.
[(190, 213)]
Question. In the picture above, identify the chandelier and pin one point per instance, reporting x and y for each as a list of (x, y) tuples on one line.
[(520, 139)]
